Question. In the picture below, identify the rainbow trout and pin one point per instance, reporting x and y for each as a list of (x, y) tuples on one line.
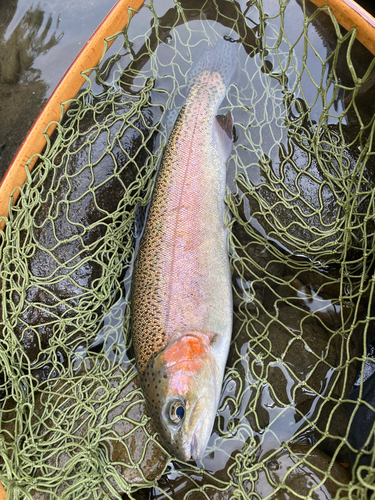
[(181, 290)]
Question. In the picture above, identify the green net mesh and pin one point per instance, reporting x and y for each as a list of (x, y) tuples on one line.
[(301, 236)]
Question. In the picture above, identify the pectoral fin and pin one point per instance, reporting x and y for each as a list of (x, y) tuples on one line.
[(224, 129)]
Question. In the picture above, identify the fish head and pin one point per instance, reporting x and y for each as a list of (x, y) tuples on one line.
[(182, 391)]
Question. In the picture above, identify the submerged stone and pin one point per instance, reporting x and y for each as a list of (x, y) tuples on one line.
[(93, 425), (314, 199), (74, 229), (299, 472)]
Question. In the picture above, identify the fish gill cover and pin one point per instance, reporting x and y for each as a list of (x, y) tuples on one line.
[(300, 198)]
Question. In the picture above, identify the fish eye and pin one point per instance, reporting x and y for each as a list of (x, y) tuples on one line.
[(177, 412)]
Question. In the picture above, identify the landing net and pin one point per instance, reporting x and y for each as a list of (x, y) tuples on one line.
[(296, 414)]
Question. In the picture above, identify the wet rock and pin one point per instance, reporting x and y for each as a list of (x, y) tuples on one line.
[(292, 473), (331, 428), (143, 494), (301, 201), (254, 257), (71, 254), (297, 341), (361, 409), (290, 359), (293, 372), (109, 442), (286, 473), (253, 268)]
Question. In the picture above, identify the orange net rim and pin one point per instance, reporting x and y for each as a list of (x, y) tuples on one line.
[(70, 84), (351, 15), (347, 12)]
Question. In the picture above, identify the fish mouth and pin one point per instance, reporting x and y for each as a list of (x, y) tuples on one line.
[(195, 447), (195, 455), (196, 452), (192, 450)]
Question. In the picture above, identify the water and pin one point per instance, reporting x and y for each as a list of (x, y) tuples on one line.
[(297, 306), (296, 314), (38, 42)]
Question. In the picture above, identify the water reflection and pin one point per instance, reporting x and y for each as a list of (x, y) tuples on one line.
[(38, 42), (31, 37), (21, 89)]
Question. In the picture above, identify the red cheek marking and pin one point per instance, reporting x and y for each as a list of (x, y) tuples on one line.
[(186, 348)]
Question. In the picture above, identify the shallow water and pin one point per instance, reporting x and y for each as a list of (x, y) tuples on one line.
[(38, 42), (297, 307), (292, 318)]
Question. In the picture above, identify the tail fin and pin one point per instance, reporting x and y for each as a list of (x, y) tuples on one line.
[(222, 59)]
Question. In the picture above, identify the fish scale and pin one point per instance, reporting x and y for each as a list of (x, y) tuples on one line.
[(181, 284)]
